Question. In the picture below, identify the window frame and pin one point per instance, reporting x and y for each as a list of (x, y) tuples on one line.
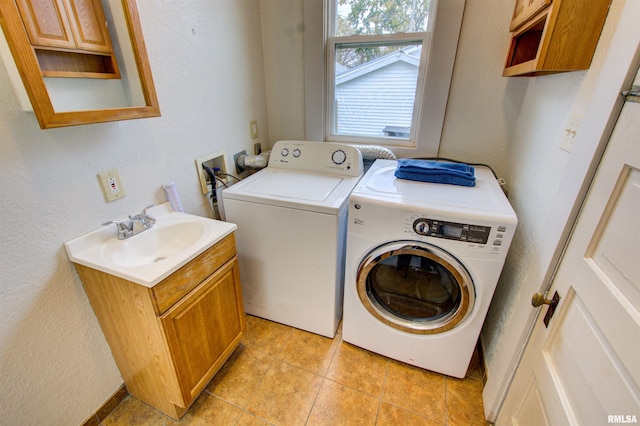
[(439, 72)]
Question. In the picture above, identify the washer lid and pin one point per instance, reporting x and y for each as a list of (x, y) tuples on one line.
[(321, 193), (299, 186)]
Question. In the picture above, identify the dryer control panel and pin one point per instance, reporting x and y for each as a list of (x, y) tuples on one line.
[(451, 230)]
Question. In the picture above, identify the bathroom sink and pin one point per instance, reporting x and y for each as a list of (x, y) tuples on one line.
[(156, 244), (152, 255)]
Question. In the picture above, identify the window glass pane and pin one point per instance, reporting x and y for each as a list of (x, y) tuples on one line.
[(375, 89), (374, 17)]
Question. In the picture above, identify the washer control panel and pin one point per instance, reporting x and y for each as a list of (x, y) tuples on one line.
[(318, 157), (451, 230)]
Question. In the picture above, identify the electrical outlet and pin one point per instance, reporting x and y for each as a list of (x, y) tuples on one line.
[(570, 131), (111, 185), (253, 124), (212, 160)]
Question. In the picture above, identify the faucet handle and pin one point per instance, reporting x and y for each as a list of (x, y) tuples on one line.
[(124, 231), (144, 211)]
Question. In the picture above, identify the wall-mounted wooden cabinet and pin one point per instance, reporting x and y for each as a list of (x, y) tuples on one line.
[(551, 36), (169, 340), (69, 37)]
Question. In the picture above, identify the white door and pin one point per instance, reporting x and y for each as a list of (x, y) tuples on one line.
[(584, 369)]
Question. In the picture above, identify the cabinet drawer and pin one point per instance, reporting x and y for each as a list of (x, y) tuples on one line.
[(173, 288)]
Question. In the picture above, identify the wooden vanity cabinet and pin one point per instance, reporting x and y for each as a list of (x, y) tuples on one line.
[(169, 340), (551, 36), (70, 38)]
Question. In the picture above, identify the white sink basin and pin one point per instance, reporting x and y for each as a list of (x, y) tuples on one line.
[(156, 244), (152, 255)]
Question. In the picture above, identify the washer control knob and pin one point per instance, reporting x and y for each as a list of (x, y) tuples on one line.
[(339, 156), (284, 152), (296, 153), (421, 226)]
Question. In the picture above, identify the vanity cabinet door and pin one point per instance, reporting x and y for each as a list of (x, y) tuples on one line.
[(204, 328)]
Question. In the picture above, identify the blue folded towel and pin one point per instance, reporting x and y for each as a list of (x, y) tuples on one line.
[(436, 172)]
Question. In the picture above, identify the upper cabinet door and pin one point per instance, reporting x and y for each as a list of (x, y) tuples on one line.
[(525, 9), (46, 23), (88, 24), (68, 24)]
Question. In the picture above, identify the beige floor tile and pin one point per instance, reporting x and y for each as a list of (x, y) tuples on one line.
[(417, 390), (476, 368), (211, 411), (255, 388), (240, 376), (309, 351), (390, 415), (464, 402), (358, 369), (132, 411), (339, 405), (247, 419), (265, 336), (286, 395)]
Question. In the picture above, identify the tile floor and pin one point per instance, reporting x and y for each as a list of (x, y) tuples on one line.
[(284, 376)]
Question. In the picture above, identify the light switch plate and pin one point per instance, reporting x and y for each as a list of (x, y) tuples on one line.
[(570, 131), (111, 185), (253, 125)]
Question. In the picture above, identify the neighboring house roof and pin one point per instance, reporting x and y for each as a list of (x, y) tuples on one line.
[(410, 55)]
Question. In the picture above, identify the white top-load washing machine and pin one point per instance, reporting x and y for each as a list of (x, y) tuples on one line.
[(423, 261), (291, 236)]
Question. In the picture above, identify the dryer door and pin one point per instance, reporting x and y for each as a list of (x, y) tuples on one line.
[(415, 287)]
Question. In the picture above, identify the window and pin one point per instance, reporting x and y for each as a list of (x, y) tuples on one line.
[(387, 70), (376, 61)]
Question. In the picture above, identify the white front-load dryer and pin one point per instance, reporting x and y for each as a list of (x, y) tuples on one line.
[(423, 261)]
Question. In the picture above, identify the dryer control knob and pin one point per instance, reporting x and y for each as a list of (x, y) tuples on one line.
[(421, 226), (339, 156)]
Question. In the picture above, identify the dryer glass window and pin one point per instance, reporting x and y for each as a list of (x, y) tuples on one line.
[(415, 287)]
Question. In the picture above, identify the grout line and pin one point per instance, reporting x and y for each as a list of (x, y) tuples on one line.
[(384, 384), (315, 400)]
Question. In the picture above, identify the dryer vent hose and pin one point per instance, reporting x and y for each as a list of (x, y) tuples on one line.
[(253, 162), (373, 152)]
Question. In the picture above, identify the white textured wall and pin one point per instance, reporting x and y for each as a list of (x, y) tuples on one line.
[(206, 58), (483, 106), (535, 167), (283, 38)]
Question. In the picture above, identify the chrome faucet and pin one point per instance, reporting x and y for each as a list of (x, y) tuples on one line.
[(134, 225)]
